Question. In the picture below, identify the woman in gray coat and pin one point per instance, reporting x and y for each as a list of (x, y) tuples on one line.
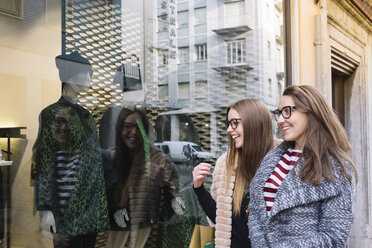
[(302, 193)]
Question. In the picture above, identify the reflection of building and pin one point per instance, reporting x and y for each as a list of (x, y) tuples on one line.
[(225, 51)]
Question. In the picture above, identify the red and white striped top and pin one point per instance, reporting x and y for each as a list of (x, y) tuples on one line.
[(281, 170)]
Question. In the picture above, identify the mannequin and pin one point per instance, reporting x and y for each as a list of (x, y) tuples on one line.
[(68, 173)]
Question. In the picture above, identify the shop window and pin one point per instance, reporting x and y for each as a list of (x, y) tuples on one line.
[(132, 56)]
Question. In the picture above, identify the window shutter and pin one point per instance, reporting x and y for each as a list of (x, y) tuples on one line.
[(342, 62)]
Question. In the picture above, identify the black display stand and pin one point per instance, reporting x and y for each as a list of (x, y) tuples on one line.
[(5, 196)]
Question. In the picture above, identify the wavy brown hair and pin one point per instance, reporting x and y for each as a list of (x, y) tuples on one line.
[(325, 137), (258, 140)]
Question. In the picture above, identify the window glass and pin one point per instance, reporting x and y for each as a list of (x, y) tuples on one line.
[(163, 92), (183, 19), (110, 102), (183, 55), (162, 24), (235, 51), (200, 16), (163, 57), (269, 49), (201, 89), (234, 14), (201, 52), (184, 91)]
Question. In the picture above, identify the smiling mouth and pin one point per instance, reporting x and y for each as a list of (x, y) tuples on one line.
[(285, 129)]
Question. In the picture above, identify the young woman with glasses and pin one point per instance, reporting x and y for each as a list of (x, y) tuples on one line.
[(302, 193), (250, 137)]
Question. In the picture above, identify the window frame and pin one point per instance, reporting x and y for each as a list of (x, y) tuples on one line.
[(16, 12), (236, 19), (163, 58), (239, 58), (183, 55), (200, 91), (162, 87), (179, 91), (162, 23), (204, 19), (201, 53), (184, 23)]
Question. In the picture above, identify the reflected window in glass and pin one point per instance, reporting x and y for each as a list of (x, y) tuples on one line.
[(183, 90), (234, 14), (200, 16), (235, 51), (201, 88), (201, 52), (183, 55), (183, 19), (162, 24), (163, 57)]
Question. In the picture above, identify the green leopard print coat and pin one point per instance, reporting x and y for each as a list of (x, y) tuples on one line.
[(86, 211)]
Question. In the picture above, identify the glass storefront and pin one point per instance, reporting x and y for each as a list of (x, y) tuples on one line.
[(88, 85)]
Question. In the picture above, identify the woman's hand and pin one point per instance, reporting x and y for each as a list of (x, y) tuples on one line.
[(199, 173)]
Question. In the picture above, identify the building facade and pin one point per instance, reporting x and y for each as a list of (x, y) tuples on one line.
[(336, 58), (208, 50)]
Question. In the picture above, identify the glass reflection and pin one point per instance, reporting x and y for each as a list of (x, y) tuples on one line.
[(69, 177), (182, 61), (148, 184)]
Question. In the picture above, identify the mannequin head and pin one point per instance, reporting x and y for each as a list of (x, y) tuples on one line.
[(75, 72)]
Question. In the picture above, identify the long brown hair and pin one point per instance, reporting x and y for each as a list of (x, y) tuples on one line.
[(324, 136), (124, 157), (258, 140)]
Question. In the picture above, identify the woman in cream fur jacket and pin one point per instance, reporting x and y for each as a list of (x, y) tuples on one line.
[(250, 137)]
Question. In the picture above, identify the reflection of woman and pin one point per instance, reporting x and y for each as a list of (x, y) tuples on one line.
[(302, 194), (250, 136), (143, 170)]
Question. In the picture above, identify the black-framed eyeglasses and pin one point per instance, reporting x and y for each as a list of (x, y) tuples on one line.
[(129, 127), (286, 112), (233, 123)]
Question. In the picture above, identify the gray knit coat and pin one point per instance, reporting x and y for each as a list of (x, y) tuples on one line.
[(302, 215)]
